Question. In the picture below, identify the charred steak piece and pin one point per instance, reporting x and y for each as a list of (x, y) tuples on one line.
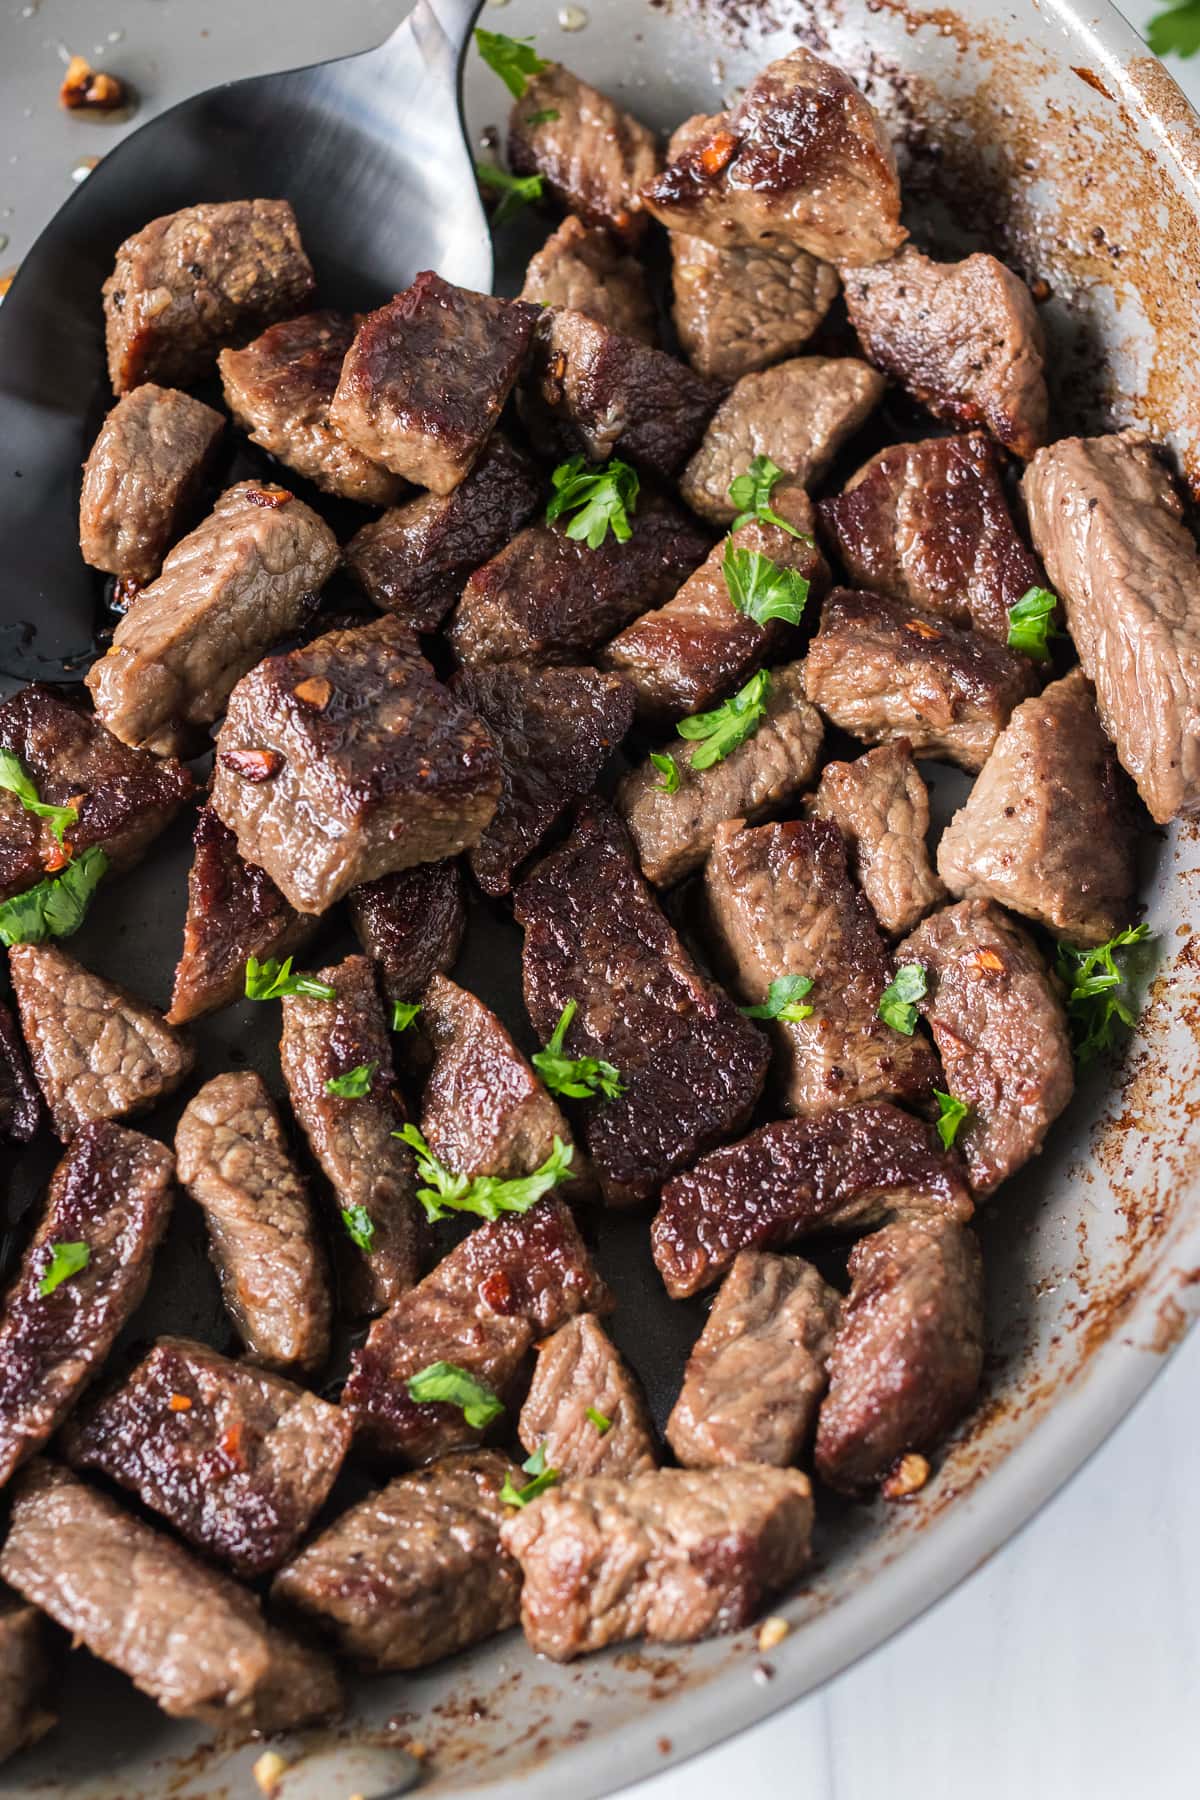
[(97, 1051), (427, 376), (548, 598), (798, 413), (883, 671), (123, 798), (781, 902), (759, 1369), (964, 338), (416, 1572), (586, 270), (20, 1098), (185, 1634), (742, 308), (585, 1408), (1048, 828), (908, 1354), (238, 1461), (692, 1067), (371, 1172), (411, 924), (24, 1676), (347, 759), (195, 280), (111, 1193), (415, 560), (928, 524), (555, 729), (142, 479), (839, 1171), (672, 1555), (247, 576), (673, 832), (801, 159), (279, 390), (509, 1281), (233, 1159), (1001, 1030), (880, 805), (592, 156), (1108, 523)]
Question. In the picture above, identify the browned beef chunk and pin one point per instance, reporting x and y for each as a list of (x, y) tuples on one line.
[(908, 1355), (415, 560), (123, 798), (411, 924), (416, 1572), (692, 1067), (370, 765), (234, 912), (427, 376), (927, 524), (244, 578), (189, 283), (1107, 521), (24, 1676), (672, 1555), (142, 479), (584, 1409), (673, 832), (482, 1306), (97, 1051), (880, 805), (238, 1461), (555, 729), (964, 338), (801, 158), (883, 671), (838, 1171), (370, 1171), (759, 1369), (592, 156), (798, 413), (1001, 1030), (20, 1101), (585, 270), (186, 1635), (744, 307), (548, 598), (279, 389), (234, 1161), (111, 1193)]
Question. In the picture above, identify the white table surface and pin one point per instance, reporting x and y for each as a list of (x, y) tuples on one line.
[(1068, 1667)]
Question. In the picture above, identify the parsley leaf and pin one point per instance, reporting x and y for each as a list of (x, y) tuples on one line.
[(1177, 29), (728, 725), (668, 769), (597, 1418), (487, 1195), (951, 1113), (783, 1001), (360, 1227), (546, 116), (603, 499), (55, 907), (1031, 623), (896, 1003), (65, 1260), (354, 1084), (579, 1077), (1097, 988), (403, 1013), (759, 588), (515, 191), (543, 1478), (514, 60), (752, 493), (272, 979), (14, 778), (447, 1382)]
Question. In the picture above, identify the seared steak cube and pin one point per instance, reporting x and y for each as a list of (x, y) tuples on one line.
[(584, 269), (24, 1676), (427, 376), (744, 307), (592, 155), (373, 766), (584, 1409), (411, 924), (192, 281), (20, 1100), (142, 479), (880, 805), (691, 1066)]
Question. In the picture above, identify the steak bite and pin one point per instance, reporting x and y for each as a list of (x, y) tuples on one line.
[(585, 1410), (370, 764), (555, 729), (111, 1194), (245, 577), (142, 479), (908, 1354), (744, 307), (671, 1555), (880, 805), (24, 1677), (20, 1097), (97, 1051), (884, 671), (193, 281), (234, 1161), (415, 1572), (411, 924), (279, 390), (928, 524), (185, 1634), (585, 270), (759, 1369), (1001, 1030), (238, 1461), (673, 831), (427, 376), (692, 1068), (1108, 522), (964, 338), (838, 1171), (592, 156)]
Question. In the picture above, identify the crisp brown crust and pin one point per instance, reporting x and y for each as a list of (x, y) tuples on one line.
[(411, 924), (593, 156)]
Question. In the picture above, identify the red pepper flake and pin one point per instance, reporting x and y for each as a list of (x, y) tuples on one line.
[(90, 90), (252, 765), (716, 155), (315, 690), (56, 856), (231, 1444), (987, 959), (179, 1403), (496, 1292), (268, 496), (922, 629)]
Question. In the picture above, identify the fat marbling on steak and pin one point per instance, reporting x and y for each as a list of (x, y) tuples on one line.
[(742, 308), (583, 268), (592, 155), (880, 804), (24, 1676), (20, 1096), (142, 479), (411, 924), (585, 1410)]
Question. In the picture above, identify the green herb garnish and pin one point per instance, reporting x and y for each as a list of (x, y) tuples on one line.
[(403, 1013), (597, 1418), (65, 1260), (487, 1195), (354, 1084), (951, 1113), (514, 60), (272, 979), (1031, 623), (1098, 992), (784, 1000), (543, 1478), (759, 588), (752, 493), (728, 725), (1177, 30), (55, 907), (14, 778), (546, 116), (896, 1005), (578, 1077), (668, 769), (516, 191), (447, 1382), (360, 1227), (602, 498)]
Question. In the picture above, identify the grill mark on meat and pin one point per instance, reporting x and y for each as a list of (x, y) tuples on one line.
[(742, 308), (20, 1097), (411, 924), (880, 805), (579, 1368), (142, 479), (584, 270), (24, 1677), (592, 155)]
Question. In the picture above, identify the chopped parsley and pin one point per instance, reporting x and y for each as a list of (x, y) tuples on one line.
[(487, 1195), (543, 1478), (515, 191), (595, 1417), (896, 1006), (602, 499), (1175, 30), (759, 588), (546, 116), (354, 1084), (721, 731), (784, 1000), (1098, 995), (1031, 623), (447, 1382), (272, 979), (360, 1227), (951, 1114), (668, 768), (55, 907), (752, 492), (403, 1013), (14, 778), (65, 1260), (514, 60), (578, 1077)]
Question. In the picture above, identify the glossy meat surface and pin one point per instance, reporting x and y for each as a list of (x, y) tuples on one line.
[(880, 804), (411, 924), (592, 155), (142, 479), (581, 267), (580, 1373), (744, 307)]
